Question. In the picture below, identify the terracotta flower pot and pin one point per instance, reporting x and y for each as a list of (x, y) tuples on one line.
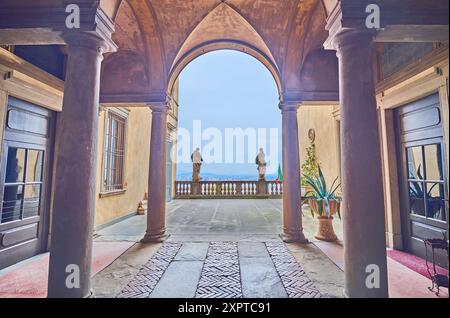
[(325, 231), (334, 206)]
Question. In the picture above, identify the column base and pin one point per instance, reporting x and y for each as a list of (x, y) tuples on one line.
[(294, 238), (344, 293), (155, 238), (91, 294)]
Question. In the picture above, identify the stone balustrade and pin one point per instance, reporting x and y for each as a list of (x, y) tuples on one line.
[(228, 189)]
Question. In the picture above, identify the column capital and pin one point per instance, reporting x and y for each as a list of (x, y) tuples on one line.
[(348, 17), (159, 107), (87, 40), (289, 106), (349, 38)]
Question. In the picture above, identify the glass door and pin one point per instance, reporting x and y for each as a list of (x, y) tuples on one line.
[(24, 182)]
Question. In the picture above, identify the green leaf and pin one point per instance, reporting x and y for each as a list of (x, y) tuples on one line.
[(339, 211), (320, 205), (431, 190), (327, 207), (419, 175), (313, 185), (323, 181), (333, 190), (312, 212)]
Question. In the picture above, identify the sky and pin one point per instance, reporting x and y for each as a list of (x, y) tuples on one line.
[(226, 90)]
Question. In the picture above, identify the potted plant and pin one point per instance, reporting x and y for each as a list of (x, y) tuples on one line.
[(324, 203), (310, 167), (417, 197)]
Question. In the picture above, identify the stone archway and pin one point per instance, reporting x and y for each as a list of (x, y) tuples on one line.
[(219, 45), (292, 219), (146, 29)]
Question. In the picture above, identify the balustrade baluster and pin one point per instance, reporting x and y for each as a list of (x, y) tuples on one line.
[(228, 189)]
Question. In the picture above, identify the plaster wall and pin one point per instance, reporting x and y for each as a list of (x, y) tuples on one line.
[(137, 151), (321, 118)]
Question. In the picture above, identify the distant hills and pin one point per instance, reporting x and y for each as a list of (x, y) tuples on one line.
[(187, 176)]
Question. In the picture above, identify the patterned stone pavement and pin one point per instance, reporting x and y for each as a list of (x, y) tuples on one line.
[(294, 278), (220, 275), (148, 277)]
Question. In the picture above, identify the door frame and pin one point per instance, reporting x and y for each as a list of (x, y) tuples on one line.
[(401, 146), (28, 141)]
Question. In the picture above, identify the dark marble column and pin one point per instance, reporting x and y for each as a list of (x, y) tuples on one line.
[(156, 215), (292, 214), (363, 201), (75, 174)]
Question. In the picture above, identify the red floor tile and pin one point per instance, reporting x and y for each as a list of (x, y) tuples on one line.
[(28, 279), (414, 263), (403, 281)]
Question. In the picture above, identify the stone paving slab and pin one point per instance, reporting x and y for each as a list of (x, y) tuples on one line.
[(252, 249), (148, 277), (260, 278), (112, 280), (179, 281), (225, 237), (192, 252)]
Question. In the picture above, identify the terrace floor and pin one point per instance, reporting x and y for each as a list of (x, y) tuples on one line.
[(217, 248)]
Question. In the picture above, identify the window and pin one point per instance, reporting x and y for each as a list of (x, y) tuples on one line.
[(426, 181), (23, 183), (114, 152)]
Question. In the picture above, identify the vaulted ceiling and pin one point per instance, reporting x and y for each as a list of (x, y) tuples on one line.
[(157, 38)]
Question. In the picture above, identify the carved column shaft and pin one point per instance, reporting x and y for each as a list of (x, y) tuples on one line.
[(292, 214), (76, 166), (156, 215), (363, 201)]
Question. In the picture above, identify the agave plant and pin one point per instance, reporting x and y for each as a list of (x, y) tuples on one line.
[(322, 194), (416, 188)]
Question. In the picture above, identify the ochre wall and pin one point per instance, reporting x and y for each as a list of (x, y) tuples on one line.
[(322, 119), (136, 167)]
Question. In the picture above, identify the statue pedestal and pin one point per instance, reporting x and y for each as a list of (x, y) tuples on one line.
[(196, 188), (261, 187)]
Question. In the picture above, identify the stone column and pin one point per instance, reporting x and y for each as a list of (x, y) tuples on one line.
[(156, 214), (75, 174), (363, 201), (292, 214)]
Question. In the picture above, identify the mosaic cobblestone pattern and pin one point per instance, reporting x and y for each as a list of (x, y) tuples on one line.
[(293, 277), (221, 277), (142, 285)]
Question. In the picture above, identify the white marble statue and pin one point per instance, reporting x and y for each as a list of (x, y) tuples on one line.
[(262, 164)]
